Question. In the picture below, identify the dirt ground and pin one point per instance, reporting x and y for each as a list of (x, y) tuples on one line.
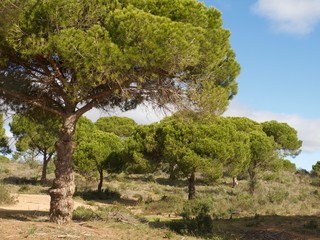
[(28, 219), (32, 202)]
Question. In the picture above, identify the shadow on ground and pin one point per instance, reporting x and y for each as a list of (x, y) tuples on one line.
[(23, 215), (249, 228)]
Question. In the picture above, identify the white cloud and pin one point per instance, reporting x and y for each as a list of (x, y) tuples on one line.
[(142, 114), (293, 16), (308, 129)]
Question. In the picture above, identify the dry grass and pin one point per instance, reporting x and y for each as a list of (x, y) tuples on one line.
[(285, 206)]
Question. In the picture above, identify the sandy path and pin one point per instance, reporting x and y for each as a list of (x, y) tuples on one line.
[(33, 202)]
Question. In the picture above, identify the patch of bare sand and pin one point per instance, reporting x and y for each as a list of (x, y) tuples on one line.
[(33, 202)]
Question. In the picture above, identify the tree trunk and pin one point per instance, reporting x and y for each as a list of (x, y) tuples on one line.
[(44, 168), (192, 187), (252, 181), (234, 182), (172, 175), (100, 180), (46, 159), (63, 188)]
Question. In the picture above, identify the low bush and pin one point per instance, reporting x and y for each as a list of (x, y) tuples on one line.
[(5, 197), (107, 194), (197, 218), (167, 204), (277, 195), (4, 159), (85, 214)]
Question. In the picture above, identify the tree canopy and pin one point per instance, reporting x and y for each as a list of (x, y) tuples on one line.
[(67, 56), (38, 133), (121, 126), (82, 54), (94, 151)]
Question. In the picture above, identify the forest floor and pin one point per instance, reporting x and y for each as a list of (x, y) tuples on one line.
[(28, 219)]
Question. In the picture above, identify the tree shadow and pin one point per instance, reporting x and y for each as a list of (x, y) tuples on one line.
[(24, 215), (249, 228), (172, 182), (21, 180), (107, 196)]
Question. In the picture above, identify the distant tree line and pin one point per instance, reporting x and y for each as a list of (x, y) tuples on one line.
[(185, 145)]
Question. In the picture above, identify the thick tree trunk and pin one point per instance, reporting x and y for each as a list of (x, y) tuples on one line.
[(234, 182), (100, 180), (192, 187), (63, 188)]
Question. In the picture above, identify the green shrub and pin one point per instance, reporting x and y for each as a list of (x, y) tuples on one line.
[(5, 197), (277, 195), (85, 214), (198, 217), (24, 188), (115, 213), (271, 177), (315, 181), (167, 204), (4, 159), (244, 202), (107, 194), (4, 170)]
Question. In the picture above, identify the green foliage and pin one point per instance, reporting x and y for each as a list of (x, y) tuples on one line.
[(24, 188), (316, 169), (4, 144), (142, 151), (106, 194), (277, 196), (167, 204), (115, 213), (96, 149), (66, 57), (85, 214), (197, 218), (116, 52), (4, 159), (36, 131), (287, 165), (120, 126), (285, 136)]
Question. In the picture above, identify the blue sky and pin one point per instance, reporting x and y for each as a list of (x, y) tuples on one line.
[(277, 45)]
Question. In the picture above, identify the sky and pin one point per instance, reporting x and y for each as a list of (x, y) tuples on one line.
[(277, 44)]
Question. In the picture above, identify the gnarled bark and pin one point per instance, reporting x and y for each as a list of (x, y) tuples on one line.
[(63, 188)]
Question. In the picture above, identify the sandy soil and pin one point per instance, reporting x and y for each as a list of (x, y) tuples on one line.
[(32, 202), (28, 219)]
